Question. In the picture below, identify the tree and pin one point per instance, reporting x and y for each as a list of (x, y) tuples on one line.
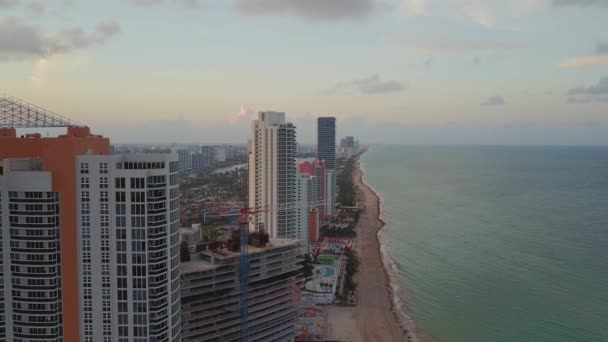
[(352, 266), (307, 266)]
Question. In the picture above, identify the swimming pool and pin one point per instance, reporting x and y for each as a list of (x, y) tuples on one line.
[(329, 272)]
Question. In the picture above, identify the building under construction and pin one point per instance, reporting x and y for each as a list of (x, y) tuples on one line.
[(211, 294)]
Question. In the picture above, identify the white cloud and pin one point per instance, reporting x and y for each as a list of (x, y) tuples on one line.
[(496, 100), (416, 7), (311, 10), (244, 114), (9, 3), (593, 93), (460, 46), (20, 40), (583, 61), (481, 15), (370, 85)]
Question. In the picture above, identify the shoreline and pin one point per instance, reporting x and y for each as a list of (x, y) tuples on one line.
[(376, 311), (404, 321)]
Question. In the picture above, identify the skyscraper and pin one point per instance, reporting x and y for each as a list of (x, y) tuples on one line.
[(185, 160), (128, 237), (39, 220), (326, 151), (272, 174), (326, 141), (89, 242)]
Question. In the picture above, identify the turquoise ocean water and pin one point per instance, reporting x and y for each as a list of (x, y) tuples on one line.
[(496, 243)]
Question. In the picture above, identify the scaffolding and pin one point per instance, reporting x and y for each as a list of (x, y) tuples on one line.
[(15, 113)]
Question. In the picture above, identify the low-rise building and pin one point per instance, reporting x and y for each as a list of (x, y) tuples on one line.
[(191, 235)]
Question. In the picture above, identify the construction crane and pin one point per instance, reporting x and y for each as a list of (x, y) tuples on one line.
[(244, 269), (245, 215)]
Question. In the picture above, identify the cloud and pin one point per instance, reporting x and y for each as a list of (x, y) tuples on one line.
[(369, 86), (580, 3), (496, 100), (416, 7), (244, 114), (593, 93), (188, 4), (9, 3), (191, 4), (428, 63), (36, 8), (147, 2), (602, 48), (311, 10), (482, 16), (461, 46), (19, 40), (476, 61), (583, 61)]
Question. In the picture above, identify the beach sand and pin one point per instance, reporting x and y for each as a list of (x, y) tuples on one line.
[(373, 318)]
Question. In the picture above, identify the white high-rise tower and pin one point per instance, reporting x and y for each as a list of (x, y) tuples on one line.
[(128, 247), (272, 174)]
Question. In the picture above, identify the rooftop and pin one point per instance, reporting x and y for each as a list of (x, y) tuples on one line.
[(198, 261)]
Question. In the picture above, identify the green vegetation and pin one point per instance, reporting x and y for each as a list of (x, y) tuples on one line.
[(210, 232), (346, 188), (307, 266), (352, 266), (336, 231), (231, 185)]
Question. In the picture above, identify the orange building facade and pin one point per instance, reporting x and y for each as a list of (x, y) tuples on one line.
[(58, 156)]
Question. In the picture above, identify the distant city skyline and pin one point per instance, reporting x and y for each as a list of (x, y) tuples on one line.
[(393, 71)]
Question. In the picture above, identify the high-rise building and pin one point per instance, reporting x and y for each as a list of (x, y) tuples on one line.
[(330, 194), (211, 293), (307, 209), (128, 237), (223, 153), (323, 195), (88, 239), (202, 160), (39, 230), (326, 141), (272, 175), (348, 142), (185, 160)]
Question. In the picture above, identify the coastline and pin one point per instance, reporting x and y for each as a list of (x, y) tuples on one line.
[(378, 316), (406, 323)]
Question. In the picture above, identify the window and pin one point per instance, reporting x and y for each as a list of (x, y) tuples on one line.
[(138, 183), (121, 221), (119, 183), (138, 209), (138, 221), (120, 196), (121, 209), (138, 196)]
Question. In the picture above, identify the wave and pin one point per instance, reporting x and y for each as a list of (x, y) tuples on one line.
[(391, 267)]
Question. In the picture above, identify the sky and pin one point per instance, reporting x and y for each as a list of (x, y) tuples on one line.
[(390, 71)]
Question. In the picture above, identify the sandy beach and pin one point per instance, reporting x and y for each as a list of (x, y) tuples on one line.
[(373, 318)]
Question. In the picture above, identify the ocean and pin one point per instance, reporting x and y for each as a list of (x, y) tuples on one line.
[(501, 244)]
